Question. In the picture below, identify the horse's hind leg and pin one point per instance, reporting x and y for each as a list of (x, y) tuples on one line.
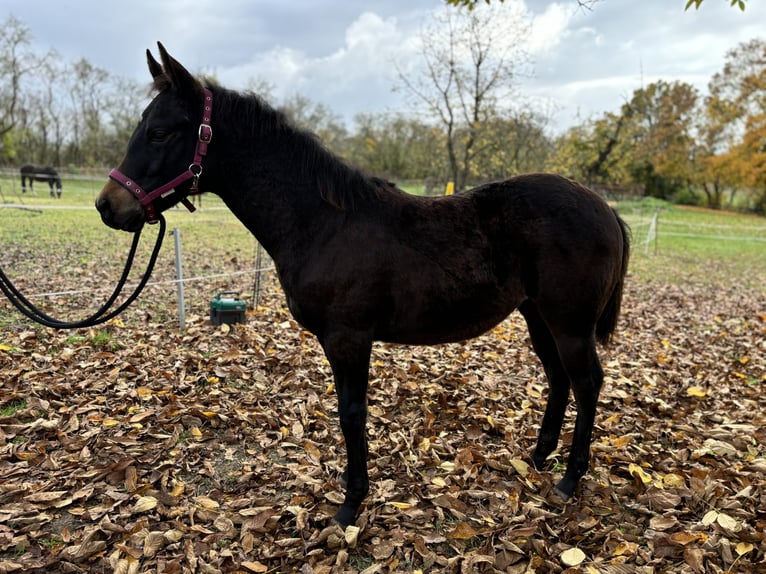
[(568, 360), (580, 359), (558, 383)]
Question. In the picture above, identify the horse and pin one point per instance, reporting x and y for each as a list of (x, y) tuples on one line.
[(34, 173), (360, 260)]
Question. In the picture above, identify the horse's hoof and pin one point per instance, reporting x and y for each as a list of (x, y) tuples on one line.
[(564, 489), (344, 517), (560, 496)]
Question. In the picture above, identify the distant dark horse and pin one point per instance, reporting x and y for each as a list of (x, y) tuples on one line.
[(39, 173), (361, 261)]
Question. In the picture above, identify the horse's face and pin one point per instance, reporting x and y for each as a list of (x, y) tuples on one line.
[(161, 147)]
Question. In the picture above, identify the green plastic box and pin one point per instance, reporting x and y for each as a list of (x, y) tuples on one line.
[(226, 307)]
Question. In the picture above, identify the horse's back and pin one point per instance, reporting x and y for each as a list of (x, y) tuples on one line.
[(563, 239)]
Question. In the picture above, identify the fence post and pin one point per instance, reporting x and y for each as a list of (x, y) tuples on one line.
[(652, 233), (179, 279)]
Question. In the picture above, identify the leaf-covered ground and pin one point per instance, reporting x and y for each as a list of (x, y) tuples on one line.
[(141, 448)]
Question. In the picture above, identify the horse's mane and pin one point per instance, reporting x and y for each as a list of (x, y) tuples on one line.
[(339, 184)]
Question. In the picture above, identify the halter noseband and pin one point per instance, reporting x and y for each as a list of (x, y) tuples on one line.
[(147, 199)]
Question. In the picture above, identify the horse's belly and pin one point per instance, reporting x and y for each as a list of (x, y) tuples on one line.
[(420, 322)]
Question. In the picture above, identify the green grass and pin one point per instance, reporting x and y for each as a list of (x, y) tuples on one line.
[(13, 407), (693, 244), (62, 250)]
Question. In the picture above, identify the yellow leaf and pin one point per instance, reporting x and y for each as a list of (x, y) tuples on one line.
[(5, 347), (520, 466), (143, 392), (462, 531), (686, 538), (673, 480), (636, 470), (400, 505), (743, 548), (621, 441), (25, 455), (696, 392), (438, 481), (625, 548), (195, 433), (110, 422), (572, 557)]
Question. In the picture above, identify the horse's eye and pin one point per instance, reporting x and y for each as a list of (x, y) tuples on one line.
[(159, 135)]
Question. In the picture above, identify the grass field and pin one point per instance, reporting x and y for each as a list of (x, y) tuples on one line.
[(689, 244)]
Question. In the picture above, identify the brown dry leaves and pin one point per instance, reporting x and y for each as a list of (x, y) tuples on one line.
[(138, 448)]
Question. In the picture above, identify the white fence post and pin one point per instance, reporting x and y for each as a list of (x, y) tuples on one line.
[(652, 233), (179, 279)]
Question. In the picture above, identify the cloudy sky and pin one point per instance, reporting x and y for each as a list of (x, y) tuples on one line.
[(343, 53)]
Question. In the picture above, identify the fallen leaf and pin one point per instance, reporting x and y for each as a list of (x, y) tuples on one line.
[(144, 504), (572, 557)]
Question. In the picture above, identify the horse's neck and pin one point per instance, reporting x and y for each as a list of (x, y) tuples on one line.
[(266, 189)]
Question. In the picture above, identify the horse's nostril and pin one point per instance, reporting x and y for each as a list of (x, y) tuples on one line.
[(104, 208)]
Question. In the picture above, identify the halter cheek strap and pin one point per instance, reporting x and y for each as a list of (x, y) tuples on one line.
[(147, 198)]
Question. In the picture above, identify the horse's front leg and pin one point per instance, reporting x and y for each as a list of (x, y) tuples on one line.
[(349, 355)]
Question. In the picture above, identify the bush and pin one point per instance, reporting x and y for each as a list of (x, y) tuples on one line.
[(687, 196)]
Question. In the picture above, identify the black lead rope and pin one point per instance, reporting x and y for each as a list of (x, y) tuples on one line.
[(103, 314)]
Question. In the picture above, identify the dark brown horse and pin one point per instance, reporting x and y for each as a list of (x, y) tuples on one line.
[(362, 261), (31, 173)]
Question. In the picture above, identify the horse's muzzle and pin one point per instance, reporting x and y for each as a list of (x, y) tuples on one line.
[(125, 219)]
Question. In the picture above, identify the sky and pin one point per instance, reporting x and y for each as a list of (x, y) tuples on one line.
[(344, 54)]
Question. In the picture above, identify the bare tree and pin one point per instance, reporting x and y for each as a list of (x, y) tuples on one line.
[(16, 62), (471, 62)]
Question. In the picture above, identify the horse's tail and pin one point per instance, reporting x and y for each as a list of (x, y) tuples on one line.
[(607, 322)]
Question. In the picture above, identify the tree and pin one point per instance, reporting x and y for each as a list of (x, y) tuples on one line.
[(697, 3), (649, 144), (734, 130), (88, 90), (398, 147), (471, 60), (317, 118), (15, 63), (660, 125)]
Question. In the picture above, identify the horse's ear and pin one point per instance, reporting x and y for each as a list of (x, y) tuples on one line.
[(154, 66), (179, 77)]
